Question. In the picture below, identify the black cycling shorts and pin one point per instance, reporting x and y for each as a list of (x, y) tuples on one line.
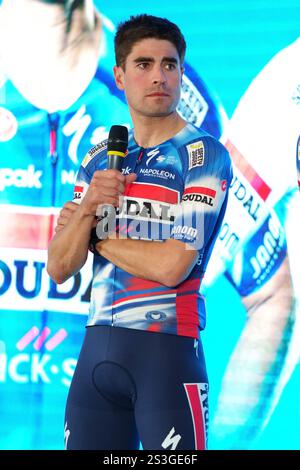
[(133, 387)]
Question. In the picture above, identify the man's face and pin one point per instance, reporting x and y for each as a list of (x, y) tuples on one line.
[(151, 78)]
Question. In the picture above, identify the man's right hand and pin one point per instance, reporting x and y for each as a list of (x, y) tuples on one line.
[(106, 187)]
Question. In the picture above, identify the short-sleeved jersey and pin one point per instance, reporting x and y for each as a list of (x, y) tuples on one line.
[(180, 192)]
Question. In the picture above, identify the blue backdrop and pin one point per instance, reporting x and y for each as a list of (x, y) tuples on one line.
[(42, 325)]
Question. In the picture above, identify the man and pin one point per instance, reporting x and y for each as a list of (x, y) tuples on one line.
[(58, 98), (146, 309)]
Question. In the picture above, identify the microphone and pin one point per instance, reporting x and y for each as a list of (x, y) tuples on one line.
[(116, 150), (116, 147)]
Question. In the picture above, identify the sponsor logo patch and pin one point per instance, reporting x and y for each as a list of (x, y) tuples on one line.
[(223, 185), (199, 194), (93, 152), (196, 154), (78, 190)]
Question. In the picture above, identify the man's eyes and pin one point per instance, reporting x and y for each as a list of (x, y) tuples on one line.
[(143, 65), (167, 65), (170, 66)]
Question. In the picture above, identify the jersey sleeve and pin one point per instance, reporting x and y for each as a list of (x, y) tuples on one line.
[(93, 160), (206, 182)]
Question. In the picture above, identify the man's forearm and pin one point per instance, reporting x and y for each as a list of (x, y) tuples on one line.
[(68, 249), (155, 261)]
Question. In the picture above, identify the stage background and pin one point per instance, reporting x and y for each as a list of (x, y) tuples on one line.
[(229, 42)]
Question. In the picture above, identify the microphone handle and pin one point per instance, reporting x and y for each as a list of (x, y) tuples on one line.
[(114, 161)]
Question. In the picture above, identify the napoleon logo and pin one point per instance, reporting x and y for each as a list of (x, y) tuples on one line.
[(196, 154)]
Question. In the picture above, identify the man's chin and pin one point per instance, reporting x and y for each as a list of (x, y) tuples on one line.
[(158, 113)]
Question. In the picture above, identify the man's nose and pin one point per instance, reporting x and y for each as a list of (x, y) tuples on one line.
[(159, 76)]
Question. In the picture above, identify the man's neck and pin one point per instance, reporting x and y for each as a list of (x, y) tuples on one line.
[(153, 131)]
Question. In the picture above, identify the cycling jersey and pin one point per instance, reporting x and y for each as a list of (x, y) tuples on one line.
[(180, 192)]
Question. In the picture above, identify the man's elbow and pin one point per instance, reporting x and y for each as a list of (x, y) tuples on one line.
[(56, 273), (172, 278)]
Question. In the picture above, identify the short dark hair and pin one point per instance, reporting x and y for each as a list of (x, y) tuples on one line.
[(142, 27)]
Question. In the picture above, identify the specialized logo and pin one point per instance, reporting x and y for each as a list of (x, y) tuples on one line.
[(20, 178), (196, 344), (197, 394), (76, 127), (93, 152), (196, 154), (200, 194), (66, 435), (8, 125), (172, 440), (166, 159), (151, 155)]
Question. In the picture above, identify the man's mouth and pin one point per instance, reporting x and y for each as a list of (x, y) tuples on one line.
[(157, 93)]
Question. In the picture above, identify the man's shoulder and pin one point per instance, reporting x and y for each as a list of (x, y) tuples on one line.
[(94, 156), (195, 141)]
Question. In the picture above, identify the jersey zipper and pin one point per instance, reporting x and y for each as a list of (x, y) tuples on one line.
[(53, 120), (139, 159)]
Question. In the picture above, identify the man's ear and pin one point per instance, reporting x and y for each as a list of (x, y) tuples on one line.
[(182, 70), (119, 77)]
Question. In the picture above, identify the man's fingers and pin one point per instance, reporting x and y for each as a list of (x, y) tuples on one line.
[(130, 178), (71, 206)]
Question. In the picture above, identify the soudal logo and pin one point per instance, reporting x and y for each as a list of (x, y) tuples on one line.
[(147, 210), (26, 283), (200, 194), (157, 173), (36, 360), (20, 178), (78, 190), (150, 202), (197, 395), (246, 196)]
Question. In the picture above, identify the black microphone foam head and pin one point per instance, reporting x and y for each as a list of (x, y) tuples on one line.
[(117, 140)]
